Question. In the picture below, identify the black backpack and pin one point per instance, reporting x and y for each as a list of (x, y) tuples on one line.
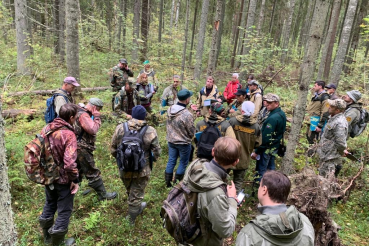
[(130, 153), (207, 139)]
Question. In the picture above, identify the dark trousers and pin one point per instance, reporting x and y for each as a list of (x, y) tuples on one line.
[(59, 199)]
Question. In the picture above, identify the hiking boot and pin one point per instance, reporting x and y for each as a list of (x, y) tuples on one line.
[(99, 187), (178, 177), (133, 212), (168, 179), (46, 224), (57, 238)]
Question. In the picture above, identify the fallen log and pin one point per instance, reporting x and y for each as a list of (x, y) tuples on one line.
[(13, 113), (49, 92)]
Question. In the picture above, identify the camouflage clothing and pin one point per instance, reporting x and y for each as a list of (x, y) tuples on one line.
[(224, 127), (257, 99), (328, 168), (60, 100), (170, 95), (333, 141), (352, 114), (262, 116), (129, 99), (202, 96), (233, 105), (180, 125), (86, 165), (119, 77)]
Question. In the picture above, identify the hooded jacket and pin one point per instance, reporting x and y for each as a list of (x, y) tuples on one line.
[(352, 114), (269, 229), (230, 89), (63, 144), (180, 125), (257, 98), (217, 212), (86, 128)]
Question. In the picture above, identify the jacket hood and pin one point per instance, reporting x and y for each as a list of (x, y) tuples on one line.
[(214, 119), (58, 123), (258, 90), (135, 124), (245, 120), (273, 228), (204, 176), (174, 110)]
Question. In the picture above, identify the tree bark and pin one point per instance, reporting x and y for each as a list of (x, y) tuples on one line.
[(172, 16), (61, 31), (120, 25), (56, 26), (249, 26), (22, 34), (221, 27), (193, 31), (306, 27), (144, 28), (271, 24), (8, 234), (177, 13), (136, 26), (261, 17), (201, 39), (327, 50), (160, 19), (241, 34), (306, 76), (124, 28), (237, 35), (343, 44), (185, 40), (214, 40), (287, 31), (71, 10)]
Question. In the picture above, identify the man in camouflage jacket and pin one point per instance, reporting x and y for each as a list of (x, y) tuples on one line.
[(169, 97), (125, 100), (352, 112), (119, 74), (136, 182), (180, 131), (332, 144)]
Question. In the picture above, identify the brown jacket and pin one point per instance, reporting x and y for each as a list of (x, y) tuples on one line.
[(257, 99), (319, 107), (214, 94)]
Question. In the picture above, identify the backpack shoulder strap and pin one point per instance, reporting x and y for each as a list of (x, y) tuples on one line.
[(59, 94), (126, 129), (143, 131)]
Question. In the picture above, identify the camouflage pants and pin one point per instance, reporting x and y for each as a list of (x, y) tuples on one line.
[(86, 165), (238, 178), (327, 168), (135, 187)]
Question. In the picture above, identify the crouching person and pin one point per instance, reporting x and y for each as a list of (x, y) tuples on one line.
[(277, 224), (135, 172), (60, 194), (217, 201)]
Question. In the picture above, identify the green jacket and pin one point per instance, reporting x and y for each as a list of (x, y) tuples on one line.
[(272, 131), (269, 229), (217, 212)]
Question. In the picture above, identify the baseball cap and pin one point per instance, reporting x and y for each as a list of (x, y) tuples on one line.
[(184, 94), (123, 60), (338, 103), (96, 101), (253, 82), (240, 92), (270, 97), (330, 86), (71, 80)]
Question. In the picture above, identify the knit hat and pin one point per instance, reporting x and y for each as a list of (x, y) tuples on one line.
[(354, 95), (71, 80), (96, 102), (217, 107), (338, 103), (147, 62), (248, 108), (138, 112)]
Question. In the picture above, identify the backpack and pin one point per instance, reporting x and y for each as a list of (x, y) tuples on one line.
[(39, 163), (207, 139), (50, 113), (179, 213), (130, 153), (360, 125)]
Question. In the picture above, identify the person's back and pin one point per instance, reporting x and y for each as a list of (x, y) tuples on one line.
[(180, 128)]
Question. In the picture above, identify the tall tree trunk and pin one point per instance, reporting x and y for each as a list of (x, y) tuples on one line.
[(108, 19), (237, 35), (271, 24), (8, 234), (136, 30), (241, 34), (221, 26), (287, 31), (61, 31), (201, 39), (172, 15), (343, 44), (306, 76), (261, 17), (160, 19), (23, 34), (306, 26), (185, 40), (56, 26), (71, 10), (249, 26), (327, 50), (193, 31), (124, 28), (144, 28), (215, 37), (120, 23), (177, 13)]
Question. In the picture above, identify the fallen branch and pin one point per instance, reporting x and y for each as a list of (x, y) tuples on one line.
[(49, 92), (355, 177), (13, 113), (270, 81)]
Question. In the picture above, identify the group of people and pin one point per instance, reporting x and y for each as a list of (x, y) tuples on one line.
[(250, 126)]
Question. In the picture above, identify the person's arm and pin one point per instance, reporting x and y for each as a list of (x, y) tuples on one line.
[(225, 93), (340, 135), (190, 126), (129, 72), (258, 103), (155, 146), (70, 157), (324, 116), (230, 133), (243, 238), (267, 134), (90, 126)]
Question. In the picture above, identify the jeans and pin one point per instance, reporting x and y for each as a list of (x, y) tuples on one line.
[(175, 150), (266, 162), (61, 199)]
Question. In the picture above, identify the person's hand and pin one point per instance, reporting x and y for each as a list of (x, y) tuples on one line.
[(74, 188), (95, 111), (254, 155), (128, 117), (198, 113), (317, 129), (232, 111), (194, 107), (220, 100), (153, 92), (231, 190), (345, 153)]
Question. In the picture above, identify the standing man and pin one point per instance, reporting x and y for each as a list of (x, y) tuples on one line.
[(255, 96), (333, 145), (86, 126), (272, 133), (119, 74), (180, 131), (277, 224), (216, 201), (126, 99), (331, 90), (235, 108), (264, 113), (136, 181), (208, 92), (248, 134), (60, 194), (64, 94), (169, 96), (352, 112), (318, 112)]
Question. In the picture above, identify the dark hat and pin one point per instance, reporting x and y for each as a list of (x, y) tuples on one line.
[(123, 61), (184, 94), (138, 112), (330, 86), (217, 107), (96, 101), (71, 80), (241, 92)]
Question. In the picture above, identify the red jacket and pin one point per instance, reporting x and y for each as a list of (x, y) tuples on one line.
[(230, 89), (63, 144)]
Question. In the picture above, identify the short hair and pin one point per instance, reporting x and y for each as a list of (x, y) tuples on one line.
[(211, 78), (320, 83), (278, 184), (251, 77), (68, 110), (227, 150), (176, 76)]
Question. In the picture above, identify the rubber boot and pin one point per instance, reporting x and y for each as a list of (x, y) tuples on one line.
[(178, 178), (99, 187), (57, 238), (133, 212), (46, 224), (168, 179), (338, 169)]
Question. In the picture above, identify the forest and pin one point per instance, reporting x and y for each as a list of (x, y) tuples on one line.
[(286, 45)]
